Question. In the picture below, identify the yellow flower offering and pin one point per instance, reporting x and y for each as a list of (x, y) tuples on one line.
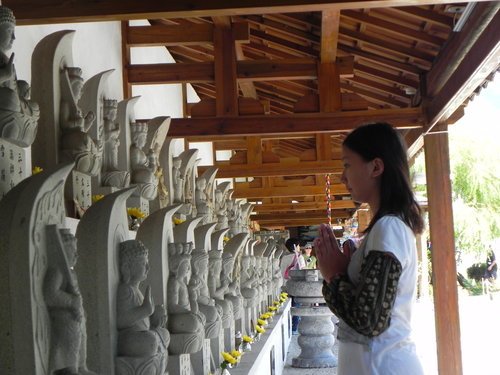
[(271, 313), (259, 329), (284, 294), (36, 170), (236, 353), (229, 358), (178, 221), (247, 339), (276, 303), (225, 239), (136, 213), (97, 198), (262, 322), (265, 316), (272, 308)]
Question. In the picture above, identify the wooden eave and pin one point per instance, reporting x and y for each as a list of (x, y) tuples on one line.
[(281, 90)]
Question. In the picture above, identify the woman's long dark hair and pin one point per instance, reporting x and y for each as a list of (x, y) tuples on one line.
[(380, 140)]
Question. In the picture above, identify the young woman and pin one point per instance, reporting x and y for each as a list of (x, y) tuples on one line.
[(372, 290)]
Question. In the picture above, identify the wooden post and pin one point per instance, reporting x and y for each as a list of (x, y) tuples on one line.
[(443, 252)]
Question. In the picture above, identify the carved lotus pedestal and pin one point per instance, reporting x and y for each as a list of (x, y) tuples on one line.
[(315, 328)]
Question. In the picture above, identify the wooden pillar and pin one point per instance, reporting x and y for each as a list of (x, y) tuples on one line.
[(443, 252)]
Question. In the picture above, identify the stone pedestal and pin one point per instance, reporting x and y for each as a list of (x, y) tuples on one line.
[(316, 338), (179, 364), (201, 359), (229, 334), (15, 166), (217, 347)]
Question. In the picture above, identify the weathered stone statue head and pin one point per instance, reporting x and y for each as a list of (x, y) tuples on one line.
[(133, 261), (70, 246), (7, 27), (110, 108), (75, 76), (139, 132)]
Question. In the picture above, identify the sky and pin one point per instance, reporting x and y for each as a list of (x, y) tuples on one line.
[(482, 115)]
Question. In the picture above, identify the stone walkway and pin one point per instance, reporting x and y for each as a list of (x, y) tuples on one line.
[(480, 332)]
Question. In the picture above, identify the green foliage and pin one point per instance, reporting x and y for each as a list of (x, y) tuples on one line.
[(476, 271)]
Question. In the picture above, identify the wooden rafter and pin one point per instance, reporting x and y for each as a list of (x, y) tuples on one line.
[(61, 11)]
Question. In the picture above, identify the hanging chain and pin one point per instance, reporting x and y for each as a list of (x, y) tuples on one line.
[(328, 199)]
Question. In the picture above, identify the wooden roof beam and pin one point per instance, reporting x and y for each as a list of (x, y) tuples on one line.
[(302, 206), (482, 58), (286, 191), (276, 169), (292, 124), (292, 216), (63, 11), (163, 35)]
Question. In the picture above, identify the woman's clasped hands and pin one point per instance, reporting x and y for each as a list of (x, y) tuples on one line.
[(331, 260)]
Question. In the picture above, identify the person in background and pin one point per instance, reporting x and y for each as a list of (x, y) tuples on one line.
[(309, 259), (293, 261), (372, 291)]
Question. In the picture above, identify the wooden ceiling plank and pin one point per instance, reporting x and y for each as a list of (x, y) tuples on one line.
[(298, 123), (265, 23), (266, 70), (302, 168), (403, 81), (393, 47), (283, 43), (393, 28), (380, 87), (62, 11), (374, 96), (426, 15), (147, 74), (291, 216), (393, 64), (162, 35)]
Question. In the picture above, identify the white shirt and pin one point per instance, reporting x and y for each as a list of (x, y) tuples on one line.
[(392, 352)]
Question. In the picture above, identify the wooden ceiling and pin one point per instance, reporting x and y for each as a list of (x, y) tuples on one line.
[(281, 85)]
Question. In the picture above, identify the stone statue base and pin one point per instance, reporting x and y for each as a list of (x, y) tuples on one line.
[(201, 360), (104, 190), (229, 337), (217, 347), (179, 364), (155, 365), (185, 343), (15, 166)]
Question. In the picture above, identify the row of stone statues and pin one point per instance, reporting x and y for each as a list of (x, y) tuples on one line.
[(170, 298)]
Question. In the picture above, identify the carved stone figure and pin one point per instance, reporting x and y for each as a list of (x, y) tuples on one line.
[(248, 280), (136, 338), (68, 348), (112, 176), (76, 144), (201, 200), (143, 167), (218, 287), (18, 114), (232, 292), (198, 286), (220, 210), (185, 322), (178, 180)]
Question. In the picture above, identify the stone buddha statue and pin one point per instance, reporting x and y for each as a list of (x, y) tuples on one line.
[(232, 292), (68, 349), (137, 337), (18, 114), (178, 180), (248, 281), (111, 175), (143, 170), (76, 144), (185, 322), (218, 287), (220, 210), (198, 284), (201, 200)]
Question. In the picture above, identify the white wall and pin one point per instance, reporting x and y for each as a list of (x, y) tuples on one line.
[(96, 47)]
